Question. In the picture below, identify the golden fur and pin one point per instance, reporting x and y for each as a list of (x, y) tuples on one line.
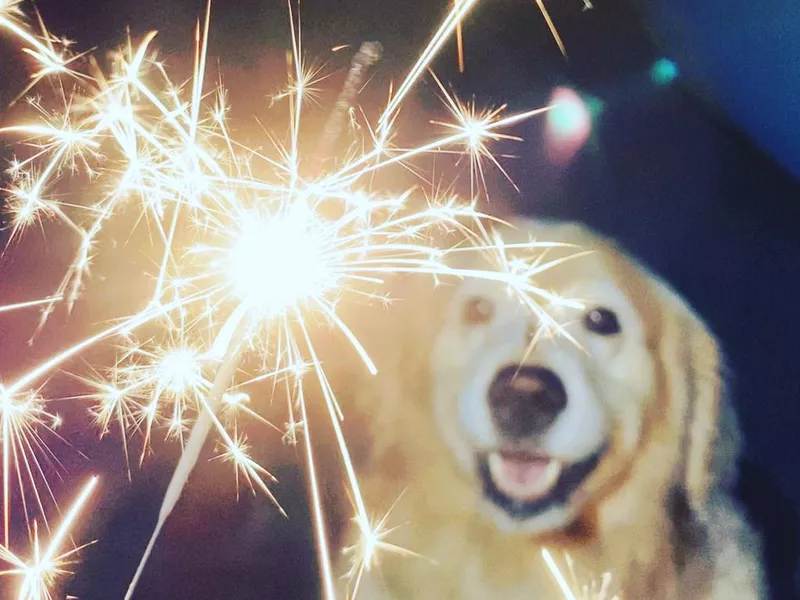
[(654, 512)]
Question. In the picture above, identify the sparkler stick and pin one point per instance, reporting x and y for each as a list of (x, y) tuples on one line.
[(194, 445), (368, 54)]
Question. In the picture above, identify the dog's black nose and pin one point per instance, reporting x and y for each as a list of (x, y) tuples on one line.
[(525, 400)]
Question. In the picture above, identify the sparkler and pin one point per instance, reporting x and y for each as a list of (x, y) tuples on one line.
[(245, 258)]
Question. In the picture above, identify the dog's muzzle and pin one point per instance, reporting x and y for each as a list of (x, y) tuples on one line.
[(517, 475)]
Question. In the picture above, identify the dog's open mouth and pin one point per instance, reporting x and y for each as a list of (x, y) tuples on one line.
[(522, 476), (525, 484)]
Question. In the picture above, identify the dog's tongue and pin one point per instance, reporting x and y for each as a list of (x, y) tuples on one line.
[(523, 477), (523, 471)]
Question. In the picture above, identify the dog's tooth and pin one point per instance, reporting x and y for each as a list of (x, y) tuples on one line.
[(546, 480), (550, 476), (495, 465)]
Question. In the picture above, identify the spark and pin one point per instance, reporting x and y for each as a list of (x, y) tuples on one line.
[(552, 27), (587, 5), (460, 46), (113, 401), (171, 374), (372, 544), (11, 16), (594, 590), (42, 571), (453, 20), (518, 272), (292, 431), (251, 249), (29, 303), (475, 126), (150, 384), (236, 450), (24, 420)]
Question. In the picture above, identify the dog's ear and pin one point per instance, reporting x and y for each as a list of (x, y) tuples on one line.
[(710, 441), (703, 409), (713, 436)]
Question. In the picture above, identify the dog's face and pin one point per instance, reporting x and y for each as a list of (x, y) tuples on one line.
[(545, 424)]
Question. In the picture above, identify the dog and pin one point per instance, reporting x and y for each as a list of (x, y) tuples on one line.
[(609, 442)]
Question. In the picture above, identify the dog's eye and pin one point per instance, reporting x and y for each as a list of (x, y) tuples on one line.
[(478, 310), (602, 321)]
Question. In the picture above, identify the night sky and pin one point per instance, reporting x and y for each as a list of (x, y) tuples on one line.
[(693, 177)]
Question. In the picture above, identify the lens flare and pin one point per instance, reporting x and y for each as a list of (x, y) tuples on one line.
[(568, 125)]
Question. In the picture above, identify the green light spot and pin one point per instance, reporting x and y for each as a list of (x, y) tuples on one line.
[(595, 106), (573, 113), (565, 118), (663, 71)]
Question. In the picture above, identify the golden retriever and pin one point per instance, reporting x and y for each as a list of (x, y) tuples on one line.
[(489, 443)]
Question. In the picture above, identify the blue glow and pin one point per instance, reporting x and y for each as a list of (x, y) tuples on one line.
[(663, 71)]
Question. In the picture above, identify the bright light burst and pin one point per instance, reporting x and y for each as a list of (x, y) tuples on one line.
[(39, 574), (371, 545), (249, 247), (24, 419)]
